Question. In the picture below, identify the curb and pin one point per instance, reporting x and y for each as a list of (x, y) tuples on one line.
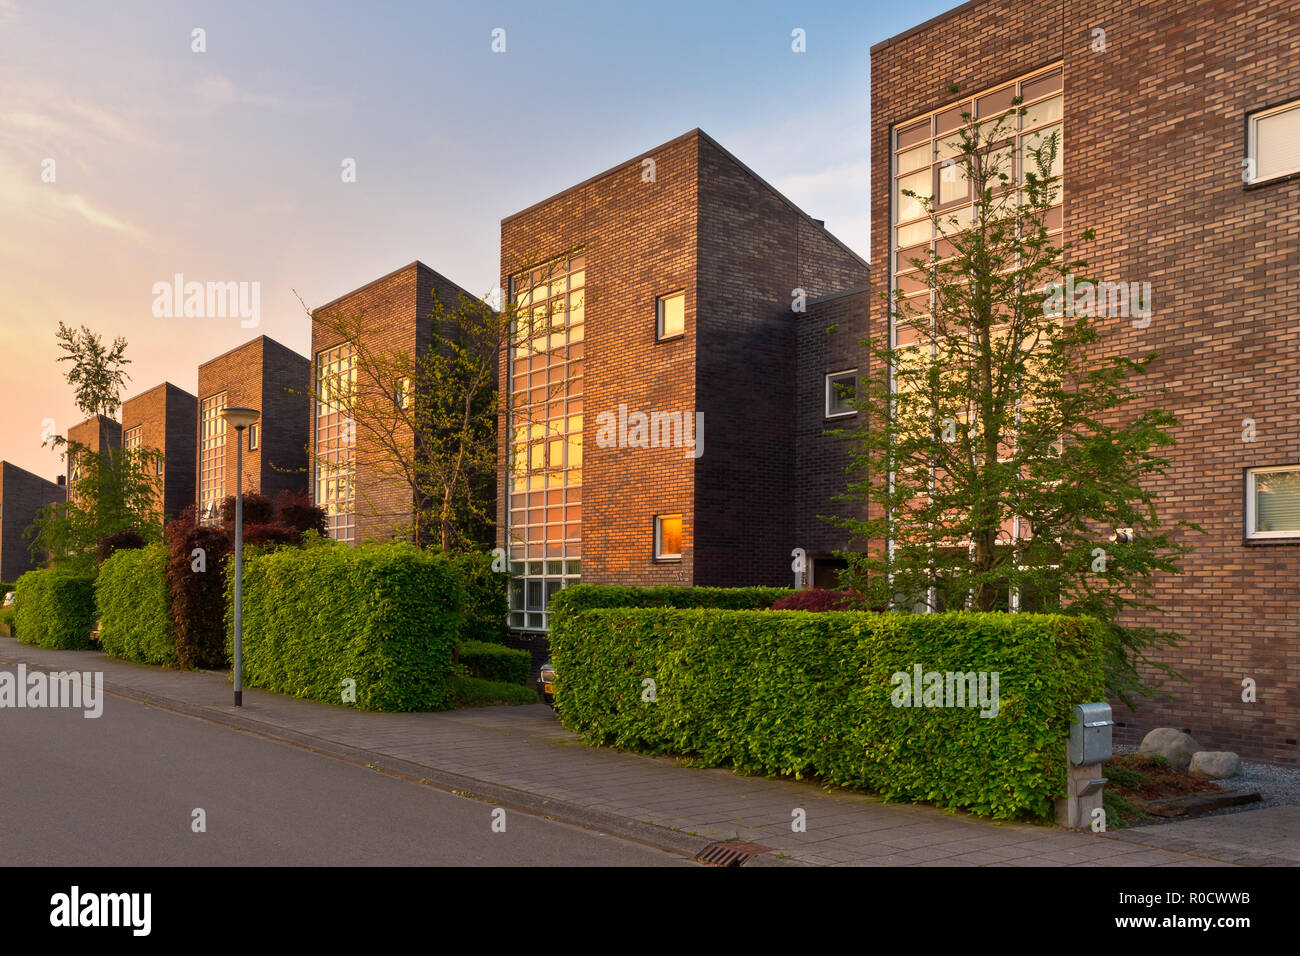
[(663, 838)]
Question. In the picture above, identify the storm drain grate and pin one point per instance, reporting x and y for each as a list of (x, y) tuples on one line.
[(730, 854)]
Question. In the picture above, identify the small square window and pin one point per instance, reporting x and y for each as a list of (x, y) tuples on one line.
[(841, 392), (1273, 143), (252, 437), (671, 316), (1273, 503), (668, 537)]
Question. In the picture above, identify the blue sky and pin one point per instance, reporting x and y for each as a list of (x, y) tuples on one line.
[(225, 165)]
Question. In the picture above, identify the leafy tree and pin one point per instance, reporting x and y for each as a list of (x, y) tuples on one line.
[(117, 490), (98, 371), (1008, 460)]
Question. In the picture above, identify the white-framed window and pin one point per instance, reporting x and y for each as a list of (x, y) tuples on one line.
[(158, 465), (841, 392), (253, 435), (1273, 142), (670, 316), (133, 438), (1273, 503), (668, 537)]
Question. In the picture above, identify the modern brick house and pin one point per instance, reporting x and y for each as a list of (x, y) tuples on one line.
[(165, 420), (272, 378), (357, 478), (98, 434), (667, 290), (1180, 123), (22, 495)]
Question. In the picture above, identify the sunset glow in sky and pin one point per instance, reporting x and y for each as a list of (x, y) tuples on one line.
[(224, 166)]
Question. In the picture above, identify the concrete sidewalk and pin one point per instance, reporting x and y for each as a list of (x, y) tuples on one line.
[(521, 757)]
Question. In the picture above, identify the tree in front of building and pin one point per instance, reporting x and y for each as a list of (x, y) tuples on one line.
[(1010, 460), (113, 490)]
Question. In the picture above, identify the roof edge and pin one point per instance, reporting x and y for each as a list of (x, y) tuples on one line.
[(920, 27)]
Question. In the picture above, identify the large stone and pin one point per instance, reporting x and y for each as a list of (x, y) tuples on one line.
[(1214, 764), (1174, 745)]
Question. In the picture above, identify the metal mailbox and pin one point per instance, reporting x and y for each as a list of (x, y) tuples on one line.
[(1090, 732)]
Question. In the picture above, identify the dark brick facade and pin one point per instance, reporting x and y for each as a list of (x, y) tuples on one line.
[(272, 378), (1154, 140), (397, 310), (709, 227), (22, 494), (167, 417), (830, 340)]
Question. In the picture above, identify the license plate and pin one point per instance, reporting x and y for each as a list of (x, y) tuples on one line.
[(548, 688)]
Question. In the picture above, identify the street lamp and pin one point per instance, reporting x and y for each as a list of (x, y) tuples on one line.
[(239, 419)]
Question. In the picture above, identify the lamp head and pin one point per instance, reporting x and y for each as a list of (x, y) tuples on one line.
[(240, 418)]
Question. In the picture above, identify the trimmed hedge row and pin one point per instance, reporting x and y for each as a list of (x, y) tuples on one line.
[(55, 608), (581, 597), (790, 692), (495, 662), (382, 616), (134, 601)]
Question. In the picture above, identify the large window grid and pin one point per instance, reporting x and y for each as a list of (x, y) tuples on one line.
[(132, 437), (925, 159), (212, 457), (544, 518), (335, 459)]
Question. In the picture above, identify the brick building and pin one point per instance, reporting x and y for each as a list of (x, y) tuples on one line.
[(1180, 124), (664, 293), (22, 495), (165, 420), (267, 376), (98, 434), (359, 477)]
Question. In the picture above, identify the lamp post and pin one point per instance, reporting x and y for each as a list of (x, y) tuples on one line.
[(239, 418)]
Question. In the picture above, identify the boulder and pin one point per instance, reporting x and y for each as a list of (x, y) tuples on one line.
[(1174, 745), (1214, 764)]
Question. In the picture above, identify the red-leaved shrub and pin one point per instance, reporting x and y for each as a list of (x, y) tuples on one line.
[(197, 585), (296, 510), (820, 599)]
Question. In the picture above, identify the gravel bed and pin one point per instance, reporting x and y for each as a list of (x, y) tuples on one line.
[(1277, 786)]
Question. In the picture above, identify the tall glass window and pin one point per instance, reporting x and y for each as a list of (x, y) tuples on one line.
[(544, 519), (336, 379), (212, 457), (132, 437)]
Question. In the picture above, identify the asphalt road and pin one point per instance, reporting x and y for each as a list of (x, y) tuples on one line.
[(122, 790)]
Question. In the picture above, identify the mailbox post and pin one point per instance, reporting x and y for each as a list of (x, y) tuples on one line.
[(1088, 749)]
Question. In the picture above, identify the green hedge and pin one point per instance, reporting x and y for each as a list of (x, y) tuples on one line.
[(385, 616), (485, 603), (495, 662), (134, 600), (580, 597), (797, 693), (7, 620), (55, 608), (477, 692)]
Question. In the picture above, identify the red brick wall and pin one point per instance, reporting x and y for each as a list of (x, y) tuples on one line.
[(97, 434), (397, 309), (1153, 143), (265, 375), (640, 243)]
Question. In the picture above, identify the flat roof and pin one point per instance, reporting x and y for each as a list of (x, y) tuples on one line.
[(699, 133), (417, 265)]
